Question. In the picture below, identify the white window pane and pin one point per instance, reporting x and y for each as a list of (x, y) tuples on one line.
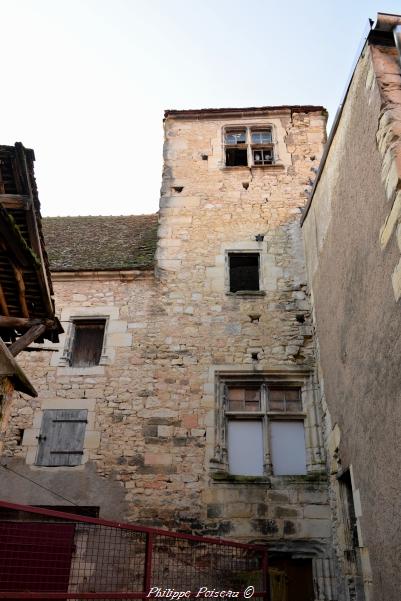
[(245, 447), (288, 447)]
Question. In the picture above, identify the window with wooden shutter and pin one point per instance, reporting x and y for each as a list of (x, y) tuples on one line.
[(87, 343), (61, 438)]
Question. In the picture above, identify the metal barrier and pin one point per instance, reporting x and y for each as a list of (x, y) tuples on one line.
[(46, 554)]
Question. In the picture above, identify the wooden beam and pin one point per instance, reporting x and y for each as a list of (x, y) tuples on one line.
[(23, 322), (3, 302), (21, 290), (30, 336)]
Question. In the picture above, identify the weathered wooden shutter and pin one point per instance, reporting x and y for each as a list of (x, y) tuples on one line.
[(87, 343), (61, 438)]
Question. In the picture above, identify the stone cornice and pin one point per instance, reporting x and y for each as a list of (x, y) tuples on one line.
[(122, 275)]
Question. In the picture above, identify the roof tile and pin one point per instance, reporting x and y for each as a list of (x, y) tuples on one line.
[(99, 243)]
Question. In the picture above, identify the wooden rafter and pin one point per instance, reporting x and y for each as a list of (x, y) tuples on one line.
[(3, 303), (23, 322), (30, 336), (21, 290)]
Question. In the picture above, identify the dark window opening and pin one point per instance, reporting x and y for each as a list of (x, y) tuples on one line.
[(87, 343), (19, 437), (244, 271), (90, 511), (236, 157)]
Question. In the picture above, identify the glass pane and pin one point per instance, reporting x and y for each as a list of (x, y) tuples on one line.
[(276, 406), (252, 394), (257, 157), (276, 394), (235, 137), (293, 406), (236, 394), (292, 394), (287, 440), (236, 405), (252, 406), (245, 448), (285, 399), (262, 137)]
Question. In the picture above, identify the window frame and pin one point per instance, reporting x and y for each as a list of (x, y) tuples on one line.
[(249, 145), (245, 251), (257, 252), (68, 348), (265, 415)]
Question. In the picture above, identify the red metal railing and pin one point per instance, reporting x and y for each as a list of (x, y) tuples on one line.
[(46, 554)]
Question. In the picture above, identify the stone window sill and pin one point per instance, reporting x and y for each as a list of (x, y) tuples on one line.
[(317, 477), (247, 293)]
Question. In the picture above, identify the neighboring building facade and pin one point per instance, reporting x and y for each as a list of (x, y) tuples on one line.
[(26, 295), (352, 238), (183, 392)]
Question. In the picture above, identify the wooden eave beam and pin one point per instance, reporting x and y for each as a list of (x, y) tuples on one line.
[(30, 336), (23, 322), (14, 201)]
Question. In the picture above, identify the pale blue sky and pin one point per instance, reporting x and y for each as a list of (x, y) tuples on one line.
[(85, 82)]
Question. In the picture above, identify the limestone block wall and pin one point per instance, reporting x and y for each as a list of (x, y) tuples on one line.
[(154, 450)]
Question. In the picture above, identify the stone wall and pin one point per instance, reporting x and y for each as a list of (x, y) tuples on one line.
[(154, 450), (352, 254)]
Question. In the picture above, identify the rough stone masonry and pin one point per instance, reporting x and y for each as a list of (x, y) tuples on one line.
[(155, 447)]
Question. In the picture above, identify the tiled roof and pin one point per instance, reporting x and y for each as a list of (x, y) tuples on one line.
[(100, 243)]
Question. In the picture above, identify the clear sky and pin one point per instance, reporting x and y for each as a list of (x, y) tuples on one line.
[(85, 82)]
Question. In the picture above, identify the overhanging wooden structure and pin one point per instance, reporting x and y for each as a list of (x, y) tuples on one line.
[(26, 294)]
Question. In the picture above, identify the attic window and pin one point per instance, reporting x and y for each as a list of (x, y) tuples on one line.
[(244, 271), (248, 146), (236, 147), (87, 342)]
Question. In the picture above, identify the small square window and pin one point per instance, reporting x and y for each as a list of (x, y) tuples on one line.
[(243, 399), (244, 271), (285, 399), (248, 146), (87, 342)]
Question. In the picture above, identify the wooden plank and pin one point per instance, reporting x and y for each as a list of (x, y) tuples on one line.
[(62, 437), (21, 290), (24, 322), (14, 201), (32, 334), (3, 302)]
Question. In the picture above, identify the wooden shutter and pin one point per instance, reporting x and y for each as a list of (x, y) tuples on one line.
[(61, 439), (87, 343)]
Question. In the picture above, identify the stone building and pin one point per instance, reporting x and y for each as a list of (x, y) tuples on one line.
[(183, 392), (352, 238)]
